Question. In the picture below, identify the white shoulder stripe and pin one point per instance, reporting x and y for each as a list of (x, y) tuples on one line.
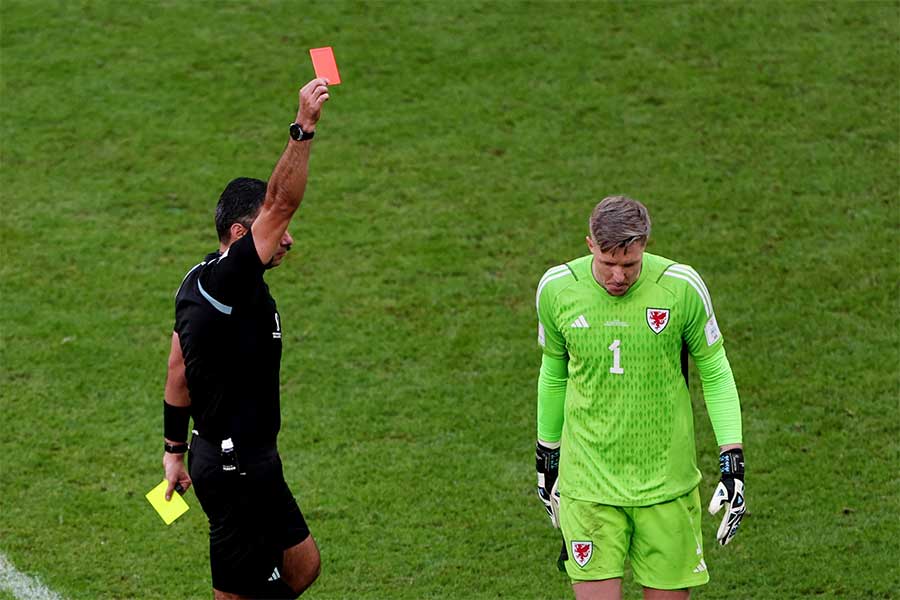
[(194, 268), (553, 271), (686, 270), (557, 272), (692, 278), (222, 308)]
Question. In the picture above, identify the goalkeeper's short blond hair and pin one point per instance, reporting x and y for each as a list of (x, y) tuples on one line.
[(618, 222)]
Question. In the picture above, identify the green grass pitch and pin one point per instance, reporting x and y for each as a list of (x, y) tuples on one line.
[(459, 159)]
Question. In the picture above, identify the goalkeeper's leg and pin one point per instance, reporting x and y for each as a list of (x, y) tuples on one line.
[(608, 589), (596, 541), (667, 548)]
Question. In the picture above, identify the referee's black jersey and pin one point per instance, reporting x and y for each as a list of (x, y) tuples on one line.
[(230, 334)]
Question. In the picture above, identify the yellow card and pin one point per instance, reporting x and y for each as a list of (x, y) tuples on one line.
[(171, 510)]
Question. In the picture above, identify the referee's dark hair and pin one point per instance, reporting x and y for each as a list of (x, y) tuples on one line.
[(239, 203)]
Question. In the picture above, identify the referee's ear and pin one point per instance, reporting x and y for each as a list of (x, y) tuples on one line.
[(237, 231)]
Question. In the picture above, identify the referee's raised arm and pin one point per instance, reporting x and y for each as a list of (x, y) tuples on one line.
[(224, 374), (288, 180)]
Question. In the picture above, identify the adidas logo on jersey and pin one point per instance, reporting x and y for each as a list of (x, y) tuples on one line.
[(580, 322)]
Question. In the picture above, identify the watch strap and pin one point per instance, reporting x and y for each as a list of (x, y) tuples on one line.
[(175, 448), (298, 134)]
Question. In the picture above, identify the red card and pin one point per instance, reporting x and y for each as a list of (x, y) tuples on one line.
[(323, 63)]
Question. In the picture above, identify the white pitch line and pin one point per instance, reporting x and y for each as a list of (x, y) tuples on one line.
[(21, 585)]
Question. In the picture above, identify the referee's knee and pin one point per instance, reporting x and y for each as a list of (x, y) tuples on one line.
[(291, 585), (299, 582), (302, 566), (309, 573)]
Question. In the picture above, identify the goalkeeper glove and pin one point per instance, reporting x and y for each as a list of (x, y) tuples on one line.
[(547, 459), (729, 494)]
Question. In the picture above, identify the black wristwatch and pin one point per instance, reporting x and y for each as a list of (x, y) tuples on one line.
[(176, 448), (298, 134)]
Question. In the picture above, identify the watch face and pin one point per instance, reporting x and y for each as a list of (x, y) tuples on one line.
[(296, 132)]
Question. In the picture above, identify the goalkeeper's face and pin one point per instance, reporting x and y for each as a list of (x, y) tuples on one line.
[(617, 269)]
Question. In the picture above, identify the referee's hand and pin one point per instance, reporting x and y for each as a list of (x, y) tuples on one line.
[(312, 96), (176, 474)]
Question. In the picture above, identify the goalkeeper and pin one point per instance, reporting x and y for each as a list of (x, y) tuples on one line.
[(616, 460)]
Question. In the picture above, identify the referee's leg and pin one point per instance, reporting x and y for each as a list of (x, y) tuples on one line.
[(301, 565), (299, 570)]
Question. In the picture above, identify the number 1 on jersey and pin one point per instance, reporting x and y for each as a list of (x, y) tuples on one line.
[(617, 357)]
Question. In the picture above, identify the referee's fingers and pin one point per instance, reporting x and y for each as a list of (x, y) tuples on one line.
[(169, 489)]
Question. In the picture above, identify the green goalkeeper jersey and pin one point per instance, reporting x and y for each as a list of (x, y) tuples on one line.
[(628, 433)]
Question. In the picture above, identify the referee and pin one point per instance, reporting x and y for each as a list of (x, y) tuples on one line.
[(224, 372)]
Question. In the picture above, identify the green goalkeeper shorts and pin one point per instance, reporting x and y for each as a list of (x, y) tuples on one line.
[(662, 541)]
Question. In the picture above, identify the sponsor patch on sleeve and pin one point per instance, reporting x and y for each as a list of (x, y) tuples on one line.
[(712, 331), (542, 339)]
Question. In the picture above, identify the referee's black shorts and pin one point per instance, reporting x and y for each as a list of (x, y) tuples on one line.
[(252, 514)]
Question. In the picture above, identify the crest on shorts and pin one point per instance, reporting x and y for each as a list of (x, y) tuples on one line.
[(657, 319), (582, 552)]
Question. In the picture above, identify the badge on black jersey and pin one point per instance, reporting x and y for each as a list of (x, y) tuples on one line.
[(657, 319)]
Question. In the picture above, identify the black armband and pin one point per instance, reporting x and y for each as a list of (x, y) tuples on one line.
[(175, 422)]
